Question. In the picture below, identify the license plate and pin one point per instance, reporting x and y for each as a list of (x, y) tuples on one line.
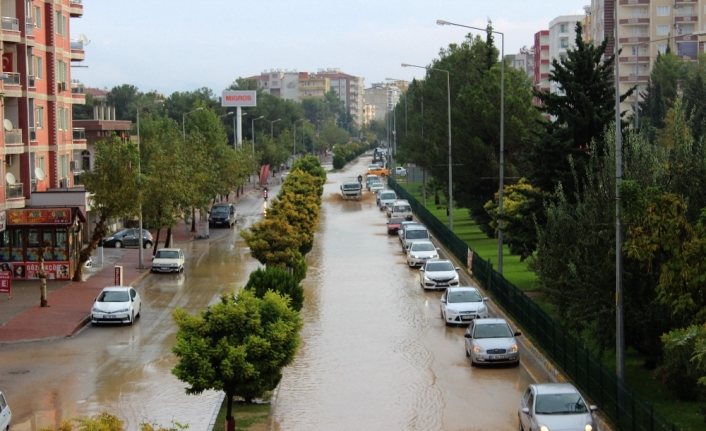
[(443, 284), (108, 316), (491, 357), (466, 317)]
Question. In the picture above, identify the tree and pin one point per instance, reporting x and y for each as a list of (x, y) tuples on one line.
[(113, 185), (274, 242), (238, 345), (661, 91), (279, 281)]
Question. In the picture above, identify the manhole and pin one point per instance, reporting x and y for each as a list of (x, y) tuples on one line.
[(19, 372)]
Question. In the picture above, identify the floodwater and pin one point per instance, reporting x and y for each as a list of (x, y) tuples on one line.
[(126, 370), (375, 354)]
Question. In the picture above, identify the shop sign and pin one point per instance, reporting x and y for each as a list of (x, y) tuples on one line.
[(5, 282), (30, 270), (49, 216), (239, 98)]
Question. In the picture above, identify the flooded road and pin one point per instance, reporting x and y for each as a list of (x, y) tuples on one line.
[(126, 370), (375, 354)]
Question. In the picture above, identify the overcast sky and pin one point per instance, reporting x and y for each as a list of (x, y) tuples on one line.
[(182, 45)]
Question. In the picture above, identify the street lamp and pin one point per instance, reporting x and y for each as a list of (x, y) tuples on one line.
[(272, 130), (294, 138), (448, 94), (501, 188), (253, 134), (405, 125), (235, 131), (183, 121), (139, 180)]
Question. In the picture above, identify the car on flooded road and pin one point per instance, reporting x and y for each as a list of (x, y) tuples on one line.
[(393, 225), (438, 274), (376, 186), (421, 251), (168, 260), (554, 406), (116, 304), (491, 341), (5, 414), (461, 305)]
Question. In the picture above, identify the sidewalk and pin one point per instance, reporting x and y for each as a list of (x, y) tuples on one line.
[(22, 319)]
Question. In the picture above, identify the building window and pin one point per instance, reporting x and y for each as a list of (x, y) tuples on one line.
[(564, 43), (37, 17), (639, 31), (63, 166), (85, 160), (685, 29), (662, 30), (639, 50), (562, 28), (41, 164), (60, 71), (39, 116), (38, 66), (662, 49), (662, 10), (640, 12), (63, 118)]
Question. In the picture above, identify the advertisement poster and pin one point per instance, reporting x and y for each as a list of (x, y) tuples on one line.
[(469, 261), (30, 270), (39, 216), (5, 281)]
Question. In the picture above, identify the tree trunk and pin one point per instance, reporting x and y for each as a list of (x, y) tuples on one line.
[(193, 219), (42, 275), (437, 201), (230, 420), (86, 252), (156, 243), (168, 242)]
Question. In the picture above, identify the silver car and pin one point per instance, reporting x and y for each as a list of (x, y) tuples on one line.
[(438, 274), (385, 198), (376, 186), (491, 341), (461, 305), (555, 406), (421, 251)]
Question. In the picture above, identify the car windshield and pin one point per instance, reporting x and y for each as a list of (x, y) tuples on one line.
[(492, 330), (387, 196), (403, 209), (355, 186), (220, 210), (167, 254), (371, 178), (464, 296), (439, 266), (560, 404), (113, 296), (417, 234), (423, 246), (377, 184), (395, 220)]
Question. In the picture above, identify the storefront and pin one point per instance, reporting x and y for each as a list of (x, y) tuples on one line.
[(27, 228)]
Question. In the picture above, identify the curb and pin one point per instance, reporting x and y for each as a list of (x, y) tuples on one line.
[(212, 422), (273, 405)]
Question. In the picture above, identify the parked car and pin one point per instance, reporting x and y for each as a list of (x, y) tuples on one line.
[(385, 198), (401, 208), (129, 238), (222, 215), (404, 225), (393, 225), (438, 274), (5, 414), (117, 304), (412, 234), (421, 251), (554, 406), (283, 176), (492, 341), (376, 186), (460, 305), (168, 260), (369, 179), (400, 171), (351, 190)]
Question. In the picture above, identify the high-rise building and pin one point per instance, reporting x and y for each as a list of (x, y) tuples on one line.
[(38, 200), (541, 60), (562, 37), (383, 96), (524, 61)]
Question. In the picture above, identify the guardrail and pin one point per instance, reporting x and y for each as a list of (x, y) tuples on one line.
[(627, 409)]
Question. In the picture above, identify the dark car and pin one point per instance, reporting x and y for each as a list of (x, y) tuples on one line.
[(222, 215), (128, 238), (393, 225)]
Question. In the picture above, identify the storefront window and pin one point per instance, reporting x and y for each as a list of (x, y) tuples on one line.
[(49, 244), (16, 235), (33, 245), (61, 250), (5, 246)]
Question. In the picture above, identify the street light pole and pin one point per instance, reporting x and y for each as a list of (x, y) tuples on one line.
[(139, 181), (235, 131), (183, 121), (272, 129), (448, 94), (501, 188)]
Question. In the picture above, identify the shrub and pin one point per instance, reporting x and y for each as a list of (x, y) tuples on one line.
[(276, 280), (339, 161)]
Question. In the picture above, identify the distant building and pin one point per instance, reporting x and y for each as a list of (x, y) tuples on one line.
[(368, 113), (524, 61), (541, 60), (562, 37), (383, 96)]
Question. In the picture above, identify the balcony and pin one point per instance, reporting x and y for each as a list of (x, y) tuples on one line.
[(635, 59), (10, 24), (634, 78), (635, 21), (76, 8), (12, 85), (14, 191), (13, 142), (77, 95), (633, 40), (635, 2), (77, 51), (685, 1)]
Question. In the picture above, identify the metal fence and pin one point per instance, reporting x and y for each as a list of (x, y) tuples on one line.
[(627, 409)]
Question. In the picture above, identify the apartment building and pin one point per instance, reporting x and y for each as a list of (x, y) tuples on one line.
[(349, 89), (542, 60), (524, 61), (646, 28), (383, 96), (38, 200), (368, 114), (562, 37), (313, 86)]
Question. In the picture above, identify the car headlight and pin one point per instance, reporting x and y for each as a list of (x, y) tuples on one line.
[(414, 256), (448, 311), (427, 278), (110, 238), (124, 310), (588, 427), (434, 256), (543, 428), (96, 310), (513, 349), (477, 349)]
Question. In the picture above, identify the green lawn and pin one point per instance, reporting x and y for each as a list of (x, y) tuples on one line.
[(248, 417), (687, 416)]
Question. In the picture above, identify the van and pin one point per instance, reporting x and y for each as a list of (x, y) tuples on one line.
[(414, 233), (386, 198), (5, 413), (401, 208)]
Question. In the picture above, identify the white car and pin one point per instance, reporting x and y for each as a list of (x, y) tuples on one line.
[(376, 186), (400, 171), (555, 406), (5, 414), (438, 274), (421, 251), (492, 341), (461, 305), (168, 260), (117, 304)]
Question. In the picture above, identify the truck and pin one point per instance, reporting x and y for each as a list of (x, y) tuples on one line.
[(351, 190)]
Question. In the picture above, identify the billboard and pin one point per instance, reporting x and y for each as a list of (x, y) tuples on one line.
[(239, 98), (39, 216)]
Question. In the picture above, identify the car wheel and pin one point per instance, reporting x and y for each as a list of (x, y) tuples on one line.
[(132, 318), (118, 244), (410, 264), (139, 312), (148, 244), (516, 364), (473, 364), (446, 322)]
